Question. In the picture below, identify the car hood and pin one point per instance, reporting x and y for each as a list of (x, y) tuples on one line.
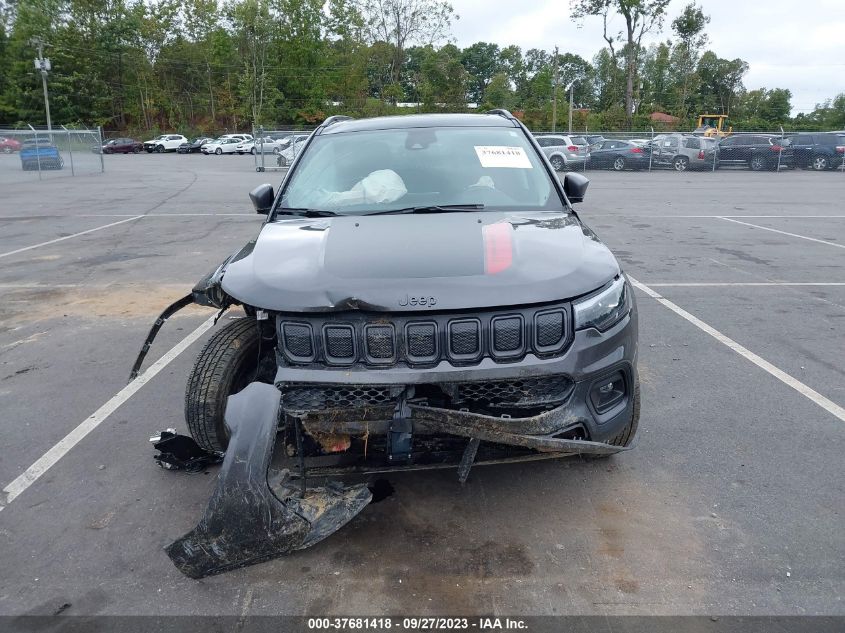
[(448, 261)]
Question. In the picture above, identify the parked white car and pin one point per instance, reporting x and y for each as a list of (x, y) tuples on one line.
[(164, 143), (289, 148), (240, 137), (221, 146), (265, 145)]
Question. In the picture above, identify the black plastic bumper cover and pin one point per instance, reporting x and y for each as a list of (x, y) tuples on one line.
[(246, 522)]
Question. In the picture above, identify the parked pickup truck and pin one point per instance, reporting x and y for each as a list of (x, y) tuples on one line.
[(40, 154)]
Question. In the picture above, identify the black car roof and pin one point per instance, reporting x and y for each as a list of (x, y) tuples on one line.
[(418, 121)]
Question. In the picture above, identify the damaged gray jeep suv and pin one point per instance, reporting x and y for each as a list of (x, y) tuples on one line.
[(421, 294)]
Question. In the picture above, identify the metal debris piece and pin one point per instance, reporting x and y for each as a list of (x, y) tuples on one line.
[(246, 521), (168, 312), (468, 459)]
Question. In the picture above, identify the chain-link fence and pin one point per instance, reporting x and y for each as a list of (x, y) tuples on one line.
[(277, 149), (774, 151), (30, 153)]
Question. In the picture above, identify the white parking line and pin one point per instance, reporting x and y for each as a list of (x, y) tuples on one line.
[(49, 459), (719, 284), (766, 228), (67, 237), (781, 375)]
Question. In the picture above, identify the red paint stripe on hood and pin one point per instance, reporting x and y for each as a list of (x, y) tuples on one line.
[(498, 247)]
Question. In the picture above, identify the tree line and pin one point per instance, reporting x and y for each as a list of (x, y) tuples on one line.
[(141, 66)]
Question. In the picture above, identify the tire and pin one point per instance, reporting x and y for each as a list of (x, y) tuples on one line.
[(160, 149), (820, 163), (225, 365), (252, 151), (626, 435), (558, 163), (619, 163), (136, 150), (757, 163), (218, 151), (681, 163)]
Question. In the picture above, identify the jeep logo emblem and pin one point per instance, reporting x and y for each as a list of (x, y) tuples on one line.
[(424, 302)]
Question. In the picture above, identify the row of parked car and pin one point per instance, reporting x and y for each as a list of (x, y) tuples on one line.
[(678, 151), (284, 146)]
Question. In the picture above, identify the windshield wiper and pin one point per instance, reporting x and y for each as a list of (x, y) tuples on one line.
[(306, 213), (432, 208)]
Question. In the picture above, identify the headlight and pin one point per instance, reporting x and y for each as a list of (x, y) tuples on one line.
[(605, 309)]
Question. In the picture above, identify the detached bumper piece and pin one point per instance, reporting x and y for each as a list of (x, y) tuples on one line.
[(180, 452), (246, 521)]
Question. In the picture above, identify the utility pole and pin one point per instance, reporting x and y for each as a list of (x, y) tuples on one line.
[(554, 97), (44, 66), (571, 90)]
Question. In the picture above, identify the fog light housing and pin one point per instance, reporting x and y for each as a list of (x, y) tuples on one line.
[(608, 392)]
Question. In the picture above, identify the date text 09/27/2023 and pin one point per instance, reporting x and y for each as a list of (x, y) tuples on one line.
[(416, 624)]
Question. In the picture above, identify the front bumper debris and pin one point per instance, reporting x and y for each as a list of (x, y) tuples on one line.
[(246, 521)]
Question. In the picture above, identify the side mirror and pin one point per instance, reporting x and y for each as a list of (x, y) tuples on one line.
[(262, 198), (575, 186)]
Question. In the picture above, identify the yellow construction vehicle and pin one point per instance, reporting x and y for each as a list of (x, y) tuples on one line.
[(713, 125)]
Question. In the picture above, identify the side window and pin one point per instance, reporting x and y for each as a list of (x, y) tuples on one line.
[(691, 143), (670, 142), (803, 139), (543, 142)]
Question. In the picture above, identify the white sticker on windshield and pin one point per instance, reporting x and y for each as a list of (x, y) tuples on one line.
[(502, 156)]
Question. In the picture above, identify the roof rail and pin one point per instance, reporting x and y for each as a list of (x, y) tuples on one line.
[(336, 118), (502, 112)]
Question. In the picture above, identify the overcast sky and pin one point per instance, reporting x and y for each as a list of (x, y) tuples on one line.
[(795, 44)]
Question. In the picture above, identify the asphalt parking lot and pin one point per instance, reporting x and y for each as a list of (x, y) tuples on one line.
[(731, 502)]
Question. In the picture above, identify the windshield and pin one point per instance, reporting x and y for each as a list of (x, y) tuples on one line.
[(382, 170)]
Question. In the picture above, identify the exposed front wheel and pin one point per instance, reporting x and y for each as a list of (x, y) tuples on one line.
[(557, 163), (820, 163), (160, 149), (619, 163), (252, 151), (218, 151), (227, 364), (680, 163)]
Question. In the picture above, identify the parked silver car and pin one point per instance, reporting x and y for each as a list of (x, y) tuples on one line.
[(684, 151), (564, 151), (289, 147)]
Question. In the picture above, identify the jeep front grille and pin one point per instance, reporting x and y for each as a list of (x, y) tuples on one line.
[(423, 339)]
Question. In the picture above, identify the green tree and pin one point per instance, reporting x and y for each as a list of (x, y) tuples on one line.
[(402, 23), (721, 82), (641, 17), (689, 30), (482, 63)]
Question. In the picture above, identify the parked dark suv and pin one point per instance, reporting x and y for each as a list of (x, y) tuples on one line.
[(818, 151), (421, 293), (756, 151)]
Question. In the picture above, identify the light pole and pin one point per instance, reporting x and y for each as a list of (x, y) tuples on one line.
[(570, 88), (43, 65), (554, 96)]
